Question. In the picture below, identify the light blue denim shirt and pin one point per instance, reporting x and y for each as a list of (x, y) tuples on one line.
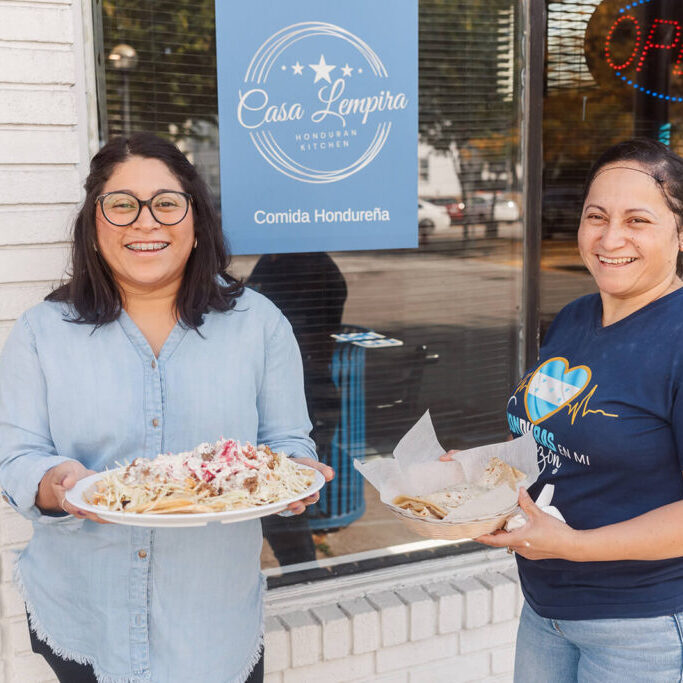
[(142, 604)]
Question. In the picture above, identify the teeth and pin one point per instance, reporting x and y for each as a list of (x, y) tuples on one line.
[(147, 246), (616, 261)]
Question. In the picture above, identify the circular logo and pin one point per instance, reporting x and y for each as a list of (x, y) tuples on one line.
[(316, 102)]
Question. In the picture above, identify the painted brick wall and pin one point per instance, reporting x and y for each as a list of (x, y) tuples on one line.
[(43, 146), (452, 630), (43, 153)]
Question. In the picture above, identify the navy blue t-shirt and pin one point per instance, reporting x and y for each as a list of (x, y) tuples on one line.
[(606, 408)]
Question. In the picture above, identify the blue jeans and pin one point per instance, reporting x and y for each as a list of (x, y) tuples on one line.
[(599, 650)]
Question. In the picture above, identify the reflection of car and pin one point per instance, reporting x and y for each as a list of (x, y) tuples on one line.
[(431, 218), (453, 205), (477, 209), (561, 210), (506, 210)]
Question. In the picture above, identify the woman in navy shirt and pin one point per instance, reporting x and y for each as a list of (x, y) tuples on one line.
[(604, 591)]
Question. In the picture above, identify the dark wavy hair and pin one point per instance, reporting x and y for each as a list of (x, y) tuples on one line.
[(663, 165), (92, 290)]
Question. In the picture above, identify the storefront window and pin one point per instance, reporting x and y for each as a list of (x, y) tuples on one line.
[(454, 303), (613, 70)]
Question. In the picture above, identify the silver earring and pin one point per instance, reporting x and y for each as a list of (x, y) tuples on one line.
[(94, 246)]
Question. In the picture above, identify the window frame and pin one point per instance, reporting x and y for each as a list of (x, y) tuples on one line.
[(530, 30)]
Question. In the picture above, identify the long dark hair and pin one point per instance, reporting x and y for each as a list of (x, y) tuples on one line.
[(665, 167), (92, 290)]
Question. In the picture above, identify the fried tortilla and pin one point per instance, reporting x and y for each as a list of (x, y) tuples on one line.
[(420, 507), (440, 504)]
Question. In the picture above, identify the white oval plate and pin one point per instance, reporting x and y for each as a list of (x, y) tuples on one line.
[(76, 496)]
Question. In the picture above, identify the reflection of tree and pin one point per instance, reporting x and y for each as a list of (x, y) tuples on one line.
[(587, 108), (464, 59), (578, 124), (574, 120), (466, 110), (174, 83), (501, 151)]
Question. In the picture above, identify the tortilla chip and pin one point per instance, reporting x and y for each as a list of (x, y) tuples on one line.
[(165, 505), (498, 472)]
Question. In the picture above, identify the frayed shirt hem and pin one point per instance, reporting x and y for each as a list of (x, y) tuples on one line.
[(258, 650), (102, 676), (58, 648)]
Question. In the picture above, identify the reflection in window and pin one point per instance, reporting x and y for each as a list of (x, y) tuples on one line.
[(424, 168), (587, 108), (450, 307)]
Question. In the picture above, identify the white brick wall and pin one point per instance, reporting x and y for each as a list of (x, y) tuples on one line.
[(462, 629), (44, 146)]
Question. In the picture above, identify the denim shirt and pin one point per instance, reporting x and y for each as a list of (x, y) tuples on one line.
[(141, 604)]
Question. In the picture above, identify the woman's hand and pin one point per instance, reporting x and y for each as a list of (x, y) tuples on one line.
[(543, 537), (300, 505), (448, 456), (54, 485)]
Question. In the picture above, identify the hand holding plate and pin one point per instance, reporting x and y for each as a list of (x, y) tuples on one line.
[(300, 505), (54, 485)]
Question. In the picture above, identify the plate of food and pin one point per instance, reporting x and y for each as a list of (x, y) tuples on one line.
[(491, 493), (471, 493), (223, 482)]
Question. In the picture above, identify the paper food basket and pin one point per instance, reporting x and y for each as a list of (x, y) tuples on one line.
[(415, 470), (454, 531)]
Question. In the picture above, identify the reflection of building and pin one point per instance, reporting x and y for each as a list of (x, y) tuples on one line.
[(460, 300), (438, 175), (200, 149)]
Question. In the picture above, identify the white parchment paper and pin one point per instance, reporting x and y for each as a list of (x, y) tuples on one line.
[(415, 470)]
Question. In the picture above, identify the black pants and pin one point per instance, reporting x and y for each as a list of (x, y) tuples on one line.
[(68, 671), (290, 538)]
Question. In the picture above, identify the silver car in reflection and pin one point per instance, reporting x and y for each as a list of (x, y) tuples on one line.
[(431, 218)]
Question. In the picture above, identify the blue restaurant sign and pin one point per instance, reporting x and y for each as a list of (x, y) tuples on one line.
[(317, 105)]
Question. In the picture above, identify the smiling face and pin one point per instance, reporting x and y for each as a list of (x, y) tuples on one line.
[(628, 236), (147, 255)]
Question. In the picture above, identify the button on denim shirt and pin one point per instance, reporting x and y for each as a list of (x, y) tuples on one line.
[(141, 604)]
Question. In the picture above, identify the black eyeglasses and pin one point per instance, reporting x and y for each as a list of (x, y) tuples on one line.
[(168, 207)]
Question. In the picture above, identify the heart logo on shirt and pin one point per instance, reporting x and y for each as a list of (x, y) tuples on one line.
[(552, 386)]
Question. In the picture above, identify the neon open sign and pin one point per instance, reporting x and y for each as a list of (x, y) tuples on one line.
[(625, 39)]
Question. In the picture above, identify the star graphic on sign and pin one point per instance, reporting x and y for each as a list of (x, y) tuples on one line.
[(322, 70), (346, 70), (297, 68)]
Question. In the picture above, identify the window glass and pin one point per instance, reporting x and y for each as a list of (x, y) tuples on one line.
[(612, 72), (453, 303)]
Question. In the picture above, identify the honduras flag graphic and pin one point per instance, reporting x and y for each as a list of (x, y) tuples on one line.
[(552, 386)]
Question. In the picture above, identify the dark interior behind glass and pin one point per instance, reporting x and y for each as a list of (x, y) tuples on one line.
[(454, 302)]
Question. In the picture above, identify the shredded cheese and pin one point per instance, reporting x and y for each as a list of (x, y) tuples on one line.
[(209, 478)]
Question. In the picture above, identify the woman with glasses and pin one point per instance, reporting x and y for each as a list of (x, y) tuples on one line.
[(150, 347)]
